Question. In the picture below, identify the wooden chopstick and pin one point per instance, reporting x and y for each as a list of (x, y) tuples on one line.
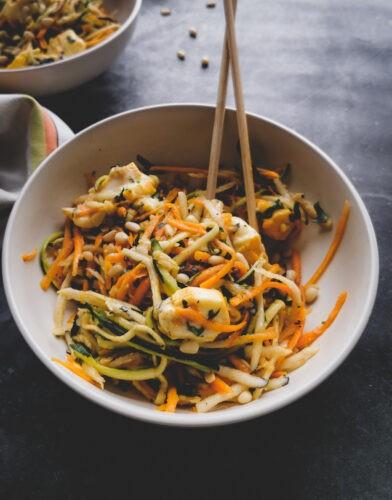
[(241, 116), (219, 119)]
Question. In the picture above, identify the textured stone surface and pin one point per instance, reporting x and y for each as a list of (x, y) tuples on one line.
[(323, 68)]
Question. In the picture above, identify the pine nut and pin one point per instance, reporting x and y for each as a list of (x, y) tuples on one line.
[(209, 377), (115, 270), (311, 293), (132, 226), (216, 259), (88, 256), (182, 278), (244, 397), (121, 238), (110, 235)]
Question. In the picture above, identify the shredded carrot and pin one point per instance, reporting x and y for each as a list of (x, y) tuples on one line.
[(174, 209), (123, 284), (146, 215), (43, 43), (152, 225), (41, 33), (189, 227), (309, 337), (239, 363), (337, 239), (220, 386), (205, 390), (102, 287), (112, 258), (195, 316), (297, 266), (78, 247), (171, 401), (65, 250), (100, 36), (201, 256), (28, 257), (240, 266), (253, 292), (98, 241), (85, 285), (274, 268), (270, 174), (206, 274), (227, 267), (278, 373), (227, 219), (171, 195), (138, 295), (74, 368)]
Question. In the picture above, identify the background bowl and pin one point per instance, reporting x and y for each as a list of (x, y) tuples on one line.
[(180, 135), (73, 71)]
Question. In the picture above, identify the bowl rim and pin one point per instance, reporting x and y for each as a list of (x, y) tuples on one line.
[(123, 27), (231, 415)]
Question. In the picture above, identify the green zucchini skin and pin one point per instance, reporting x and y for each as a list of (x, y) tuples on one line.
[(169, 353), (42, 254)]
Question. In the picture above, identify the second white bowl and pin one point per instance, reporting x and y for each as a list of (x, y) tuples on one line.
[(73, 71)]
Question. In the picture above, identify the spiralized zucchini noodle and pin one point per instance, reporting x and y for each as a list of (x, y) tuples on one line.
[(36, 32), (164, 292)]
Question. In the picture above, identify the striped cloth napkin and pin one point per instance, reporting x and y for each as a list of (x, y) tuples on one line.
[(28, 134)]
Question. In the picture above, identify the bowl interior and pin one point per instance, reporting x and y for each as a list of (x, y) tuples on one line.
[(120, 9), (180, 135)]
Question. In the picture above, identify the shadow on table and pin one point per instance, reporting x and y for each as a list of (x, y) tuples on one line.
[(93, 101)]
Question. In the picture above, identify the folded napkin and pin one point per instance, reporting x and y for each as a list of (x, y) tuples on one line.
[(28, 134)]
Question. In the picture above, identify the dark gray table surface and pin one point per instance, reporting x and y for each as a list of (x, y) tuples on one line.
[(325, 69)]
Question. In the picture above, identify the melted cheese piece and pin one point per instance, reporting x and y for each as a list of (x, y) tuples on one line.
[(246, 240), (128, 181), (67, 43), (206, 301)]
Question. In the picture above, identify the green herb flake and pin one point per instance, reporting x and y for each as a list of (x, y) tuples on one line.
[(81, 349), (322, 217), (270, 211), (212, 314), (194, 329), (296, 214)]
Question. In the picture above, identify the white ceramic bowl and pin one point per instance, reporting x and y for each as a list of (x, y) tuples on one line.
[(180, 134), (73, 71)]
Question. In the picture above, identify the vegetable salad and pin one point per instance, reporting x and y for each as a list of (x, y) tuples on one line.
[(172, 295), (39, 32)]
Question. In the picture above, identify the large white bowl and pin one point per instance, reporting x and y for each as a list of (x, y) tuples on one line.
[(180, 134), (73, 71)]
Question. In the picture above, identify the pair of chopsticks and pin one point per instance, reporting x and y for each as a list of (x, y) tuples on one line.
[(230, 58)]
